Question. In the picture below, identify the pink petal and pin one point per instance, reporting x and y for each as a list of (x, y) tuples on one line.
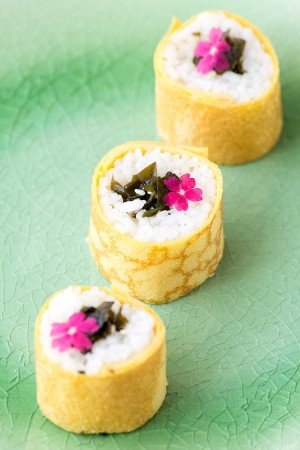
[(222, 63), (63, 343), (187, 182), (171, 198), (206, 64), (81, 342), (88, 326), (223, 46), (195, 195), (215, 35), (59, 328), (172, 183), (202, 48), (76, 319), (181, 204)]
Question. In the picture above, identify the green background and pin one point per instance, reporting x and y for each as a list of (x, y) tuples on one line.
[(76, 79)]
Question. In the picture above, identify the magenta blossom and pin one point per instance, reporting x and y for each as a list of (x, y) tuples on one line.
[(212, 53), (182, 190), (73, 332)]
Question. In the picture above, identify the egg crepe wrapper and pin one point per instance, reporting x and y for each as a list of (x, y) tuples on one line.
[(119, 398), (150, 271), (233, 132)]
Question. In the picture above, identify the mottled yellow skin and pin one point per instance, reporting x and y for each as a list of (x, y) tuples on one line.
[(155, 272), (120, 398), (233, 132)]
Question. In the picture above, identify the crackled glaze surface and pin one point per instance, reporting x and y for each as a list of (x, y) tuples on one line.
[(73, 85)]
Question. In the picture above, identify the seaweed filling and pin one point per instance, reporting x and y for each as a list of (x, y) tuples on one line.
[(145, 185), (234, 55), (108, 321)]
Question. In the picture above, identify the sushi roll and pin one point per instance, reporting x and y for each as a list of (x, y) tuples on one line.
[(100, 361), (217, 85), (156, 221)]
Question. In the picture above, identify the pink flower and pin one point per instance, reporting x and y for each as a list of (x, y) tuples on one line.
[(73, 332), (212, 53), (181, 191)]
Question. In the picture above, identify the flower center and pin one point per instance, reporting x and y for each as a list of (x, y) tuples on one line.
[(72, 330), (213, 50)]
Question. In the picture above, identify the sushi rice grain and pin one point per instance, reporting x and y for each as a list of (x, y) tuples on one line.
[(258, 65), (165, 225), (116, 347)]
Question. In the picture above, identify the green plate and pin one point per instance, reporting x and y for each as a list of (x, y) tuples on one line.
[(76, 79)]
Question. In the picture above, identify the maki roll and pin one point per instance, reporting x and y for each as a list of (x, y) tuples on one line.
[(217, 85), (156, 221), (100, 361)]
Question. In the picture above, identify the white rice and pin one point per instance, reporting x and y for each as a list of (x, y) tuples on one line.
[(116, 347), (258, 65), (166, 225)]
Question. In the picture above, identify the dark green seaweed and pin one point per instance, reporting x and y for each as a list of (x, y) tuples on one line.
[(196, 59), (139, 180), (234, 55), (118, 189), (153, 187), (108, 322)]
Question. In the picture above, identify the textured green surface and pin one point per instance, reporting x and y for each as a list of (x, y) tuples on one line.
[(76, 79)]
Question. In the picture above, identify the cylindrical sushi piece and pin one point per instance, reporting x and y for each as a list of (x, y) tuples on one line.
[(100, 361), (156, 228), (217, 85)]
